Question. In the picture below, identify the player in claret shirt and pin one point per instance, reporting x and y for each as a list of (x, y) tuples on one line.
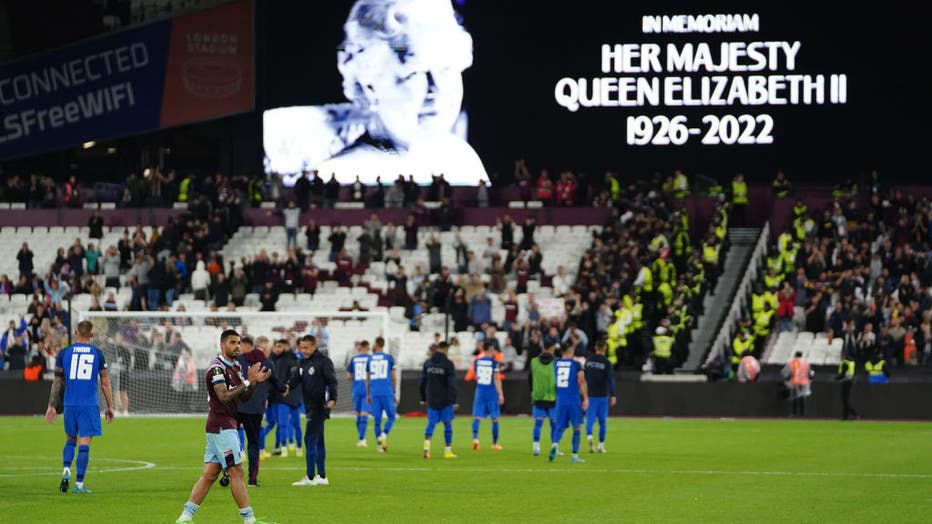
[(226, 387)]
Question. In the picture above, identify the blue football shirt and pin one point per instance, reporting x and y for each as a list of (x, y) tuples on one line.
[(566, 371), (485, 368), (80, 364), (380, 374), (357, 367)]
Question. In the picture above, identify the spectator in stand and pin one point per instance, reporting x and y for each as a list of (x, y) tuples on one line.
[(302, 191), (482, 195), (544, 188), (344, 269), (318, 188), (357, 191), (200, 280), (312, 234), (566, 190), (24, 257), (268, 297), (434, 254), (292, 216), (95, 225), (395, 196), (480, 308), (459, 310), (220, 290), (496, 272), (410, 229), (507, 228), (332, 192), (561, 282), (527, 233), (92, 255), (337, 241), (6, 287)]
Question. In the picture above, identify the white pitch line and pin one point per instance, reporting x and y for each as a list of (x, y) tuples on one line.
[(140, 465), (584, 469)]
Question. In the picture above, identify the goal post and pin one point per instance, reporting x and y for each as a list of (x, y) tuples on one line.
[(157, 360)]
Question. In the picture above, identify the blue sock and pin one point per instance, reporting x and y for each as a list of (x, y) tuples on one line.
[(554, 433), (494, 432), (242, 437), (84, 455), (602, 431), (361, 423), (538, 424), (67, 453), (475, 428), (388, 424), (448, 434), (429, 430), (589, 424), (246, 513), (190, 509), (378, 426), (575, 440)]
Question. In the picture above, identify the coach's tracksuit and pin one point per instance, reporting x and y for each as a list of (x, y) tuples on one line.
[(318, 382), (250, 412)]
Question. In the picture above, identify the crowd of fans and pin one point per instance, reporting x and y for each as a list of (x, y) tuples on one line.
[(861, 273)]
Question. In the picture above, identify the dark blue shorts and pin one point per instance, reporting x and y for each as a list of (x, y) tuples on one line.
[(82, 421), (360, 405), (569, 415), (444, 415)]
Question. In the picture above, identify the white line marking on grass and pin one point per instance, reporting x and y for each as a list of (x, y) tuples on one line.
[(45, 471), (584, 469)]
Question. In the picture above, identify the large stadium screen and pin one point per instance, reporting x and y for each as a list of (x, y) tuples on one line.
[(422, 87)]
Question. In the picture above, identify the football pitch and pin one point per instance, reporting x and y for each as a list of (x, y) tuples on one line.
[(656, 470)]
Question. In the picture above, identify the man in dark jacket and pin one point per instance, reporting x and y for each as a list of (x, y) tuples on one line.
[(318, 383), (250, 412), (438, 392), (285, 408)]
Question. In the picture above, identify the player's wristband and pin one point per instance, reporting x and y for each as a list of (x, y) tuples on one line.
[(247, 384)]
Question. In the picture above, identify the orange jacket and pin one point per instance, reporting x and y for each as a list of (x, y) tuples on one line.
[(799, 372)]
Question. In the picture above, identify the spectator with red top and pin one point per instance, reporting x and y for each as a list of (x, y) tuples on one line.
[(544, 188), (344, 265), (566, 189)]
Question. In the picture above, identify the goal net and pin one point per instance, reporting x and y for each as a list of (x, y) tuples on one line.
[(157, 360)]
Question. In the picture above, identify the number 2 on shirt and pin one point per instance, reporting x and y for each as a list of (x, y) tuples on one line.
[(563, 377), (81, 367)]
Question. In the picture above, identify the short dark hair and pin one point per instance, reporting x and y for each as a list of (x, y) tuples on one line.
[(364, 343), (308, 338), (488, 345), (227, 334), (379, 341), (282, 341), (550, 345), (246, 340), (601, 344), (443, 346)]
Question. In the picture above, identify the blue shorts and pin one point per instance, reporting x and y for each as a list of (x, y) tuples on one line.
[(384, 403), (444, 415), (82, 421), (549, 413), (359, 403), (223, 448), (569, 415), (486, 407), (598, 409)]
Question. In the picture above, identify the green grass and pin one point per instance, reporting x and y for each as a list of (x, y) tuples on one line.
[(655, 471)]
